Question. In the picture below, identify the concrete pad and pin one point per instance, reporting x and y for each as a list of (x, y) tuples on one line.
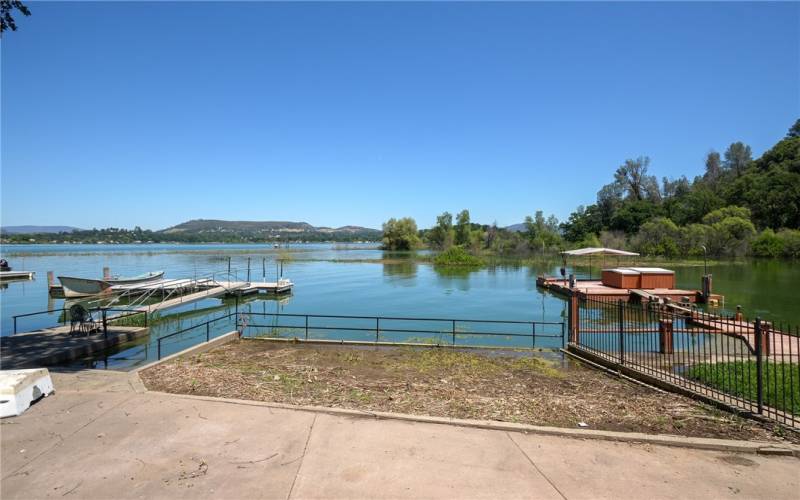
[(152, 446), (601, 469), (88, 442), (359, 458), (96, 380), (48, 423), (20, 388)]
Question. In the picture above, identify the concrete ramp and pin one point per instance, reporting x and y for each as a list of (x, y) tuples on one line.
[(20, 388)]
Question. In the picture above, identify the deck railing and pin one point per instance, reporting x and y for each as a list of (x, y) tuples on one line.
[(753, 366), (382, 329), (103, 318)]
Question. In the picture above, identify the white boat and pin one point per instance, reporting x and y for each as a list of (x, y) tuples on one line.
[(83, 287), (142, 278)]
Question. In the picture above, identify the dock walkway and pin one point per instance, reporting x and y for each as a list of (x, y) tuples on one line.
[(597, 290), (53, 346)]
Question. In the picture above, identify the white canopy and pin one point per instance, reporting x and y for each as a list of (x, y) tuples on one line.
[(598, 251)]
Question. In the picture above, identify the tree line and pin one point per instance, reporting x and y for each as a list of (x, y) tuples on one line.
[(738, 206)]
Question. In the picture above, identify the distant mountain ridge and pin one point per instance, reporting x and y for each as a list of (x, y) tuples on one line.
[(37, 229), (225, 226), (517, 228)]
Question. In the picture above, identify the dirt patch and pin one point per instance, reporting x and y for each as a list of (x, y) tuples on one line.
[(506, 386)]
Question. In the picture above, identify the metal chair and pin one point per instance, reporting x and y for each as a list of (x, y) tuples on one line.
[(81, 320)]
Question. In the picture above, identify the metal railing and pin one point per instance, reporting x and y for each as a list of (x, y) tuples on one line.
[(377, 329), (65, 316), (751, 365)]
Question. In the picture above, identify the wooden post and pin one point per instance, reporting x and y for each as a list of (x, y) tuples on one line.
[(50, 279), (106, 272), (766, 327), (574, 319), (665, 336)]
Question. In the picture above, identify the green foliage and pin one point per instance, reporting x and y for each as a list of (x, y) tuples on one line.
[(791, 242), (658, 237), (719, 210), (462, 236), (400, 234), (767, 244), (739, 378), (457, 256), (723, 213), (6, 9), (632, 214), (442, 235)]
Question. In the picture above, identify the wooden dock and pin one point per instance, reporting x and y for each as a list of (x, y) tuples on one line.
[(16, 275), (597, 290)]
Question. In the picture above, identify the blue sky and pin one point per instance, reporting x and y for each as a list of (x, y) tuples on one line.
[(118, 114)]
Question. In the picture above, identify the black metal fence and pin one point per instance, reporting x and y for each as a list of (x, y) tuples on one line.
[(383, 329), (749, 364), (104, 315)]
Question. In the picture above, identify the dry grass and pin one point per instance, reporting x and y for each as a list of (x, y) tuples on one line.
[(507, 386)]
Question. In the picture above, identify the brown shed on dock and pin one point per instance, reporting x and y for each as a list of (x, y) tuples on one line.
[(646, 278), (656, 277), (621, 278)]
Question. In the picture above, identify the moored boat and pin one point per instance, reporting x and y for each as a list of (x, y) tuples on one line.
[(142, 278), (82, 287)]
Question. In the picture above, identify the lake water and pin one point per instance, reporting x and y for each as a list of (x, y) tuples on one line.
[(358, 280)]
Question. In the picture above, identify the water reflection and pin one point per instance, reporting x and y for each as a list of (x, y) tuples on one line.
[(401, 272)]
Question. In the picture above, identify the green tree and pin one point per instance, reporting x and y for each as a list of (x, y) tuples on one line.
[(6, 9), (582, 223), (462, 228), (713, 168), (737, 157), (441, 235), (658, 236), (400, 234), (723, 213), (794, 131), (633, 214), (633, 179), (767, 244)]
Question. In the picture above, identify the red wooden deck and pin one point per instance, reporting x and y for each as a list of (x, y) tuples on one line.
[(596, 289)]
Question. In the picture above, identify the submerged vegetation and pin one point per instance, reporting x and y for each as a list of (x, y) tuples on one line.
[(457, 256), (738, 207)]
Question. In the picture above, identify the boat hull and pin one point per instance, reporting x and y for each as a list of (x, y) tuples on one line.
[(135, 279), (82, 287)]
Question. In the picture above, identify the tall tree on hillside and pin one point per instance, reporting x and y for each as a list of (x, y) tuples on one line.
[(794, 131), (737, 157), (633, 179), (6, 9), (713, 167), (462, 227)]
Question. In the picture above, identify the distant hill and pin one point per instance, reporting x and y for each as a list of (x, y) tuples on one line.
[(210, 226), (517, 228), (37, 229), (213, 225)]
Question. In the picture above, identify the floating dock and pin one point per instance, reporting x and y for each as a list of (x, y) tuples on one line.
[(206, 289), (166, 287), (16, 275), (596, 289)]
